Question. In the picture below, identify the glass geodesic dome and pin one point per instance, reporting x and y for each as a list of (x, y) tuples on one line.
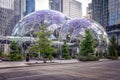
[(62, 27), (31, 23), (74, 30)]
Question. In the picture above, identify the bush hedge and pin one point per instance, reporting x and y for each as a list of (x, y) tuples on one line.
[(15, 57), (112, 57), (88, 58)]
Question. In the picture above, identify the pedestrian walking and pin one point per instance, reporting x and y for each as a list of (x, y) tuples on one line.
[(27, 57)]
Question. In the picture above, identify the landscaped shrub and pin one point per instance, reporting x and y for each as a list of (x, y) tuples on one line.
[(36, 55), (89, 58), (15, 57), (19, 57), (112, 57), (74, 57), (112, 48), (4, 55), (33, 55), (0, 54), (87, 47), (67, 57), (50, 58), (83, 58), (65, 51), (100, 54)]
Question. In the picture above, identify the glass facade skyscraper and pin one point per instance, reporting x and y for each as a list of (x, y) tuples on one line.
[(30, 6), (89, 11), (9, 15), (107, 13), (27, 6), (114, 12), (100, 12), (11, 11), (55, 5), (114, 19)]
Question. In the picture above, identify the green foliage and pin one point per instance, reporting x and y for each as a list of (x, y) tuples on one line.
[(33, 55), (15, 52), (87, 45), (3, 55), (65, 51), (100, 54), (74, 57), (36, 55), (0, 53), (89, 58), (112, 49), (14, 47), (15, 57), (43, 44), (50, 58), (119, 51)]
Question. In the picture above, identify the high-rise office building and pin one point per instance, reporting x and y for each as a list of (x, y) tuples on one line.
[(55, 5), (71, 8), (89, 11), (23, 8), (100, 12), (11, 11), (114, 12), (9, 15), (27, 6), (30, 6), (114, 19), (107, 13)]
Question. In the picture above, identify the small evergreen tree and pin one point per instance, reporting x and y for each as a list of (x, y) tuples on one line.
[(112, 49), (15, 51), (65, 51), (14, 47), (87, 46), (43, 44)]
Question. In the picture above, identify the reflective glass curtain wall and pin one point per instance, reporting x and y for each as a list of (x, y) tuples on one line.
[(9, 15), (30, 6), (100, 12), (55, 5), (114, 12), (114, 19)]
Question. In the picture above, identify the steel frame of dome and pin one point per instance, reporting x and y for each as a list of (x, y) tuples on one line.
[(76, 28), (63, 25), (51, 19)]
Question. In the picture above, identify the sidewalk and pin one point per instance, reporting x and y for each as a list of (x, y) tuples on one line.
[(16, 64)]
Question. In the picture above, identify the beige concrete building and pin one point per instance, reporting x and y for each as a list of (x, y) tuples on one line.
[(71, 8)]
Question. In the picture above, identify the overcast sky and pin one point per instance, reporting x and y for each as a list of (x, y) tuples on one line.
[(84, 5), (43, 4)]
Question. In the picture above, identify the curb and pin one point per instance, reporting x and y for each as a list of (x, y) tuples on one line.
[(38, 64), (47, 64), (12, 67)]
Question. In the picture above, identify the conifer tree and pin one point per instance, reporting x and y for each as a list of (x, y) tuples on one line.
[(112, 49), (65, 51), (87, 46), (43, 44)]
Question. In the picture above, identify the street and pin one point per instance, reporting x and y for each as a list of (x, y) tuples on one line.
[(105, 70)]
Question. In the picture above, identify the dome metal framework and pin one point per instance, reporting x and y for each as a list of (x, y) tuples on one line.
[(31, 23), (74, 30), (62, 27)]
